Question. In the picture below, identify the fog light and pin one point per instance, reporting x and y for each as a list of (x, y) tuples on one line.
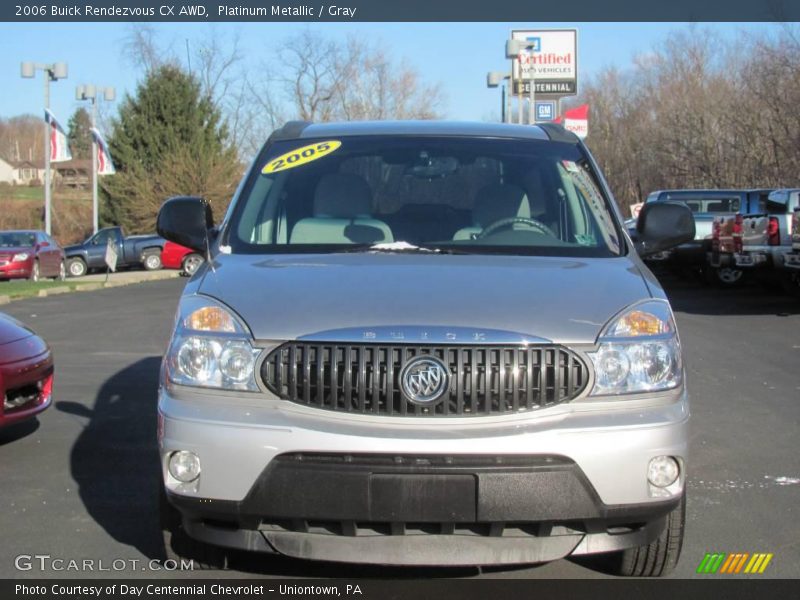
[(184, 466), (663, 471)]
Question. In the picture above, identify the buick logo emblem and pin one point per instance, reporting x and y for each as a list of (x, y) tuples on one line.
[(424, 380)]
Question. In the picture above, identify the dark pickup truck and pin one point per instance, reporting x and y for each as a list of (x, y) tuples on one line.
[(132, 251)]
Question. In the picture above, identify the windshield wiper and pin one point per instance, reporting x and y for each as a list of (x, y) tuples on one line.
[(401, 247)]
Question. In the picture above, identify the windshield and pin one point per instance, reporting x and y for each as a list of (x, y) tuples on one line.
[(450, 194), (17, 239)]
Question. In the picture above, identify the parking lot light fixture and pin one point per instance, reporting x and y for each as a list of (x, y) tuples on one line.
[(52, 72), (495, 79), (92, 94)]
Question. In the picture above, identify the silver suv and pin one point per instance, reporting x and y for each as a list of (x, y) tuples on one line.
[(425, 343)]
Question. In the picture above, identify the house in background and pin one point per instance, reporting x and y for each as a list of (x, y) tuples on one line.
[(21, 172), (6, 172), (74, 173), (28, 171)]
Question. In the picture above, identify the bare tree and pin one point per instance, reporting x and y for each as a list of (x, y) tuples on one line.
[(700, 111), (378, 88), (319, 79), (144, 49), (21, 138)]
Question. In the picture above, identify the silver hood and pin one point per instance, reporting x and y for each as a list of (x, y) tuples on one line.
[(566, 300)]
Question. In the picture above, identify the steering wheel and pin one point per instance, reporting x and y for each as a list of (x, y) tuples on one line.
[(511, 221)]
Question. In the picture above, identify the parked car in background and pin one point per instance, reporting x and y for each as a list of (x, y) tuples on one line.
[(759, 242), (132, 251), (26, 372), (706, 205), (791, 260), (767, 236), (175, 256), (30, 254)]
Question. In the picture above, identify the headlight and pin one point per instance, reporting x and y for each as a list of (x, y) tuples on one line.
[(639, 351), (20, 257), (211, 348)]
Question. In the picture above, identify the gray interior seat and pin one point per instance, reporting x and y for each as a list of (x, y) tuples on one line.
[(342, 214), (542, 205), (493, 203)]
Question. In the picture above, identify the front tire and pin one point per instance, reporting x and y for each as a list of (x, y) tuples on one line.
[(34, 276), (152, 261), (76, 267), (659, 557), (191, 263), (726, 276), (62, 272)]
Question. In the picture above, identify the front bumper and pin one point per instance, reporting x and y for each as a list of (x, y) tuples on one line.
[(791, 260), (16, 270), (748, 259), (25, 383), (281, 478)]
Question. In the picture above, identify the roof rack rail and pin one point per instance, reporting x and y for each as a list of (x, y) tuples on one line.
[(290, 130), (557, 133)]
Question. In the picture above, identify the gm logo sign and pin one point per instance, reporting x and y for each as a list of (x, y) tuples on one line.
[(535, 43), (545, 111)]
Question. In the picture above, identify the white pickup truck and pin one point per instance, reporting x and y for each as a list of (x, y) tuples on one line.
[(767, 238), (791, 258)]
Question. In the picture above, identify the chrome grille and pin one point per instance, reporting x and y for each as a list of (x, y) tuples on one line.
[(364, 378)]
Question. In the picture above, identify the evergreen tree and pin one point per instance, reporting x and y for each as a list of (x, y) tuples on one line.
[(168, 140), (78, 135)]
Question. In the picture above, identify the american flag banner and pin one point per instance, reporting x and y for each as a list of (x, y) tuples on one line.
[(105, 166), (59, 149)]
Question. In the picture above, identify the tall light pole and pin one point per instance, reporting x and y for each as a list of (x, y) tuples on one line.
[(493, 80), (52, 72), (516, 49), (93, 94)]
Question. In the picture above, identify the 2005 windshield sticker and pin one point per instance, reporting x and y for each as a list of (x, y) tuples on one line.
[(300, 156)]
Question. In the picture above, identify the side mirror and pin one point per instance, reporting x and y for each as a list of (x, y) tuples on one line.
[(663, 225), (186, 220)]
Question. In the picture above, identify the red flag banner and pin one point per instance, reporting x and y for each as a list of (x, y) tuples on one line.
[(576, 120), (105, 166), (59, 150)]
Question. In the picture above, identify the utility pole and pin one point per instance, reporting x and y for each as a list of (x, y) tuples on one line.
[(52, 72), (93, 94), (524, 50), (498, 78)]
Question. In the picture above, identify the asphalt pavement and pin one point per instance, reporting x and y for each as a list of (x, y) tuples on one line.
[(80, 482)]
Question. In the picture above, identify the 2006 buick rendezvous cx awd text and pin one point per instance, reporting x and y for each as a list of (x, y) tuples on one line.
[(425, 343)]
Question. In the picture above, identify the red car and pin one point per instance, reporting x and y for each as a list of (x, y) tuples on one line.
[(30, 255), (175, 256), (26, 372)]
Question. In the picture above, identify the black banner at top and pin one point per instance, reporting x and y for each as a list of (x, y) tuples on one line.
[(394, 10)]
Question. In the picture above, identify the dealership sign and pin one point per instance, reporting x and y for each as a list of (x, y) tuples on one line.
[(550, 61)]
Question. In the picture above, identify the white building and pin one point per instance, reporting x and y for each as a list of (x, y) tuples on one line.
[(21, 172)]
